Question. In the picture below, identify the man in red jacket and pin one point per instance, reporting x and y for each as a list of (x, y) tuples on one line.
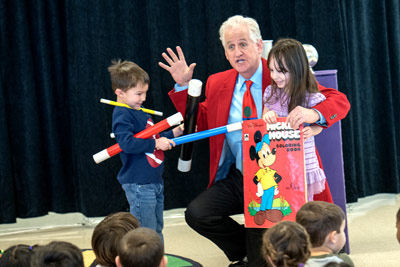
[(209, 213)]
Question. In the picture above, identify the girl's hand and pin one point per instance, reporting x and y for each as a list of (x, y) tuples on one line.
[(164, 144), (307, 132), (270, 117), (300, 115), (311, 130)]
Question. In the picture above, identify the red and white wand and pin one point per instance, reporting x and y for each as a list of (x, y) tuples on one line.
[(147, 133)]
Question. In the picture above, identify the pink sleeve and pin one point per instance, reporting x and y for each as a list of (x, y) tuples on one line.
[(315, 99)]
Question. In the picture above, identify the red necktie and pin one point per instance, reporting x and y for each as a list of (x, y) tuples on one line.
[(249, 107)]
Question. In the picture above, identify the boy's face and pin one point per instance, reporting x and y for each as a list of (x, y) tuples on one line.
[(135, 96), (340, 238), (398, 230)]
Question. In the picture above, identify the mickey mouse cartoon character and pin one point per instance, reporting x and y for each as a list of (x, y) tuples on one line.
[(266, 179)]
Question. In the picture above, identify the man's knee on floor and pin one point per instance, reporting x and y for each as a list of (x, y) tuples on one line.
[(196, 216), (191, 214)]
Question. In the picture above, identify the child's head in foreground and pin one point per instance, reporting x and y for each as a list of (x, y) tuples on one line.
[(141, 247), (129, 82), (325, 223), (57, 253), (108, 233), (286, 244), (17, 256)]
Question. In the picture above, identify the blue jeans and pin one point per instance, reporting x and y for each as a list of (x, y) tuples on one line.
[(146, 202)]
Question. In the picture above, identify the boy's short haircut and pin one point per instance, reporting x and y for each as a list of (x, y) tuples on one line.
[(286, 244), (57, 253), (320, 218), (141, 247), (126, 74), (108, 233)]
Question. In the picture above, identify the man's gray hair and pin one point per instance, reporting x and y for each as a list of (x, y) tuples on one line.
[(235, 21)]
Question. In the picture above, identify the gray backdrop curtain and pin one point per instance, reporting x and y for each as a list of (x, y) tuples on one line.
[(54, 59)]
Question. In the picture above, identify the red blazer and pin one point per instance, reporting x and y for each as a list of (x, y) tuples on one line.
[(214, 111)]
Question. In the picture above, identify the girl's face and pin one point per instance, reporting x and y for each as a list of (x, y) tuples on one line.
[(278, 76)]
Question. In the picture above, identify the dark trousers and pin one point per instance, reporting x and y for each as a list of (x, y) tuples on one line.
[(208, 214)]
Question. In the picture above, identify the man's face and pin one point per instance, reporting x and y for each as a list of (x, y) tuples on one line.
[(398, 230), (243, 54)]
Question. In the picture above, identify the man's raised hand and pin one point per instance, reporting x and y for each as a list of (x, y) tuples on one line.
[(177, 67)]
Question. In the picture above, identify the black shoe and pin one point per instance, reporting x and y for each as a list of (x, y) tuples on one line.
[(242, 263)]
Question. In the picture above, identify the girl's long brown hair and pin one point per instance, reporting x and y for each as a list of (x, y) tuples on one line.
[(286, 244), (290, 56)]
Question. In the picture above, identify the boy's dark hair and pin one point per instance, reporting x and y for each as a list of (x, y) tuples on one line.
[(126, 74), (59, 254), (17, 256), (141, 247), (108, 233), (320, 218), (286, 244)]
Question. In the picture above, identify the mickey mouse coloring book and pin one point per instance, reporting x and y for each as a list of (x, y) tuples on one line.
[(273, 172)]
